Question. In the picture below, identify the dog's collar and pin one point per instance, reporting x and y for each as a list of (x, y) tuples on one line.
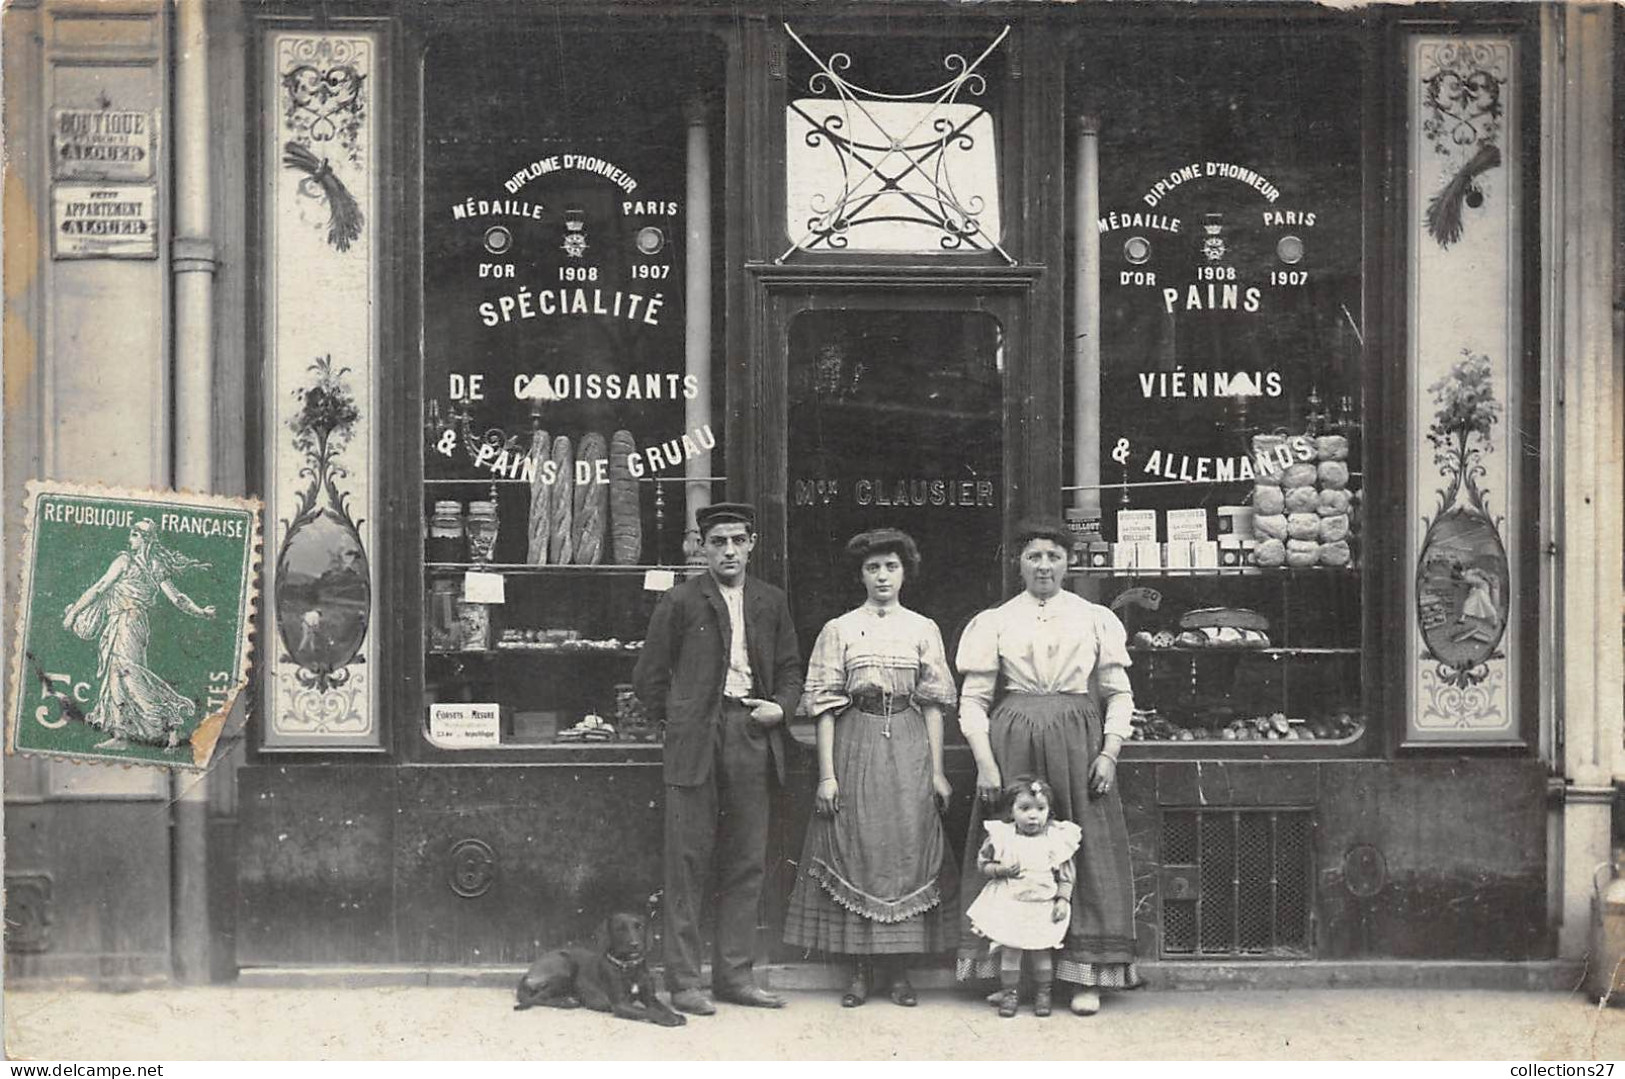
[(624, 964)]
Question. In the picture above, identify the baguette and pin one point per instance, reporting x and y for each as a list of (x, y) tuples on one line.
[(1224, 617), (561, 506), (538, 529), (591, 503), (625, 510)]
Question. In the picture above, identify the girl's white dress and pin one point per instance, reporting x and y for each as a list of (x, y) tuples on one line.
[(1016, 912)]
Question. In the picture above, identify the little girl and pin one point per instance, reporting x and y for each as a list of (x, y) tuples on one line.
[(1027, 904)]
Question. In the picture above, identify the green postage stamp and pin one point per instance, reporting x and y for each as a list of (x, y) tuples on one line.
[(133, 624)]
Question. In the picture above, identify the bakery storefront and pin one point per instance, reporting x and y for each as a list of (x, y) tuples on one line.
[(1249, 296)]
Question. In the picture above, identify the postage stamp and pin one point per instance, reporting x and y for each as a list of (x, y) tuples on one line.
[(134, 623)]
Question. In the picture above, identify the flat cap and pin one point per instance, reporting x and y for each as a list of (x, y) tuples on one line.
[(722, 513)]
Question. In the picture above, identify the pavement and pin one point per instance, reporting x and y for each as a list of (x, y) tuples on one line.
[(479, 1023)]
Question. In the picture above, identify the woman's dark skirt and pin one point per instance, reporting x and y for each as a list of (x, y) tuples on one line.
[(878, 878), (1055, 737)]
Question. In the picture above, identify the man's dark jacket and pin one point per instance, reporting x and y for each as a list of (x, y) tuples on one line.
[(680, 673)]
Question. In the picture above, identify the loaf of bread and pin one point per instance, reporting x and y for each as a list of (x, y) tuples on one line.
[(1334, 528), (1302, 500), (1270, 526), (1334, 502), (1217, 617), (625, 512), (1303, 526), (1334, 474), (538, 528), (1331, 448), (1268, 501), (1271, 552), (1301, 554), (1299, 475), (561, 507), (1334, 554), (591, 502)]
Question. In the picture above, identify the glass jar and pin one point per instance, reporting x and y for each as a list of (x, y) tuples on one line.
[(475, 622), (446, 540), (445, 627), (482, 531)]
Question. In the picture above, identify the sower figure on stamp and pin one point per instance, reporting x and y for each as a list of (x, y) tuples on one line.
[(721, 669)]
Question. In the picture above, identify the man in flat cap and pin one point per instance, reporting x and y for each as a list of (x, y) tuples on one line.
[(721, 668)]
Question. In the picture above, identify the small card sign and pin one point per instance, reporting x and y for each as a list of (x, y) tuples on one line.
[(481, 587), (1187, 526), (659, 580), (94, 221), (462, 725), (1136, 526)]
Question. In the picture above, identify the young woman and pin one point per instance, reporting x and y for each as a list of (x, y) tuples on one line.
[(1063, 716), (876, 881)]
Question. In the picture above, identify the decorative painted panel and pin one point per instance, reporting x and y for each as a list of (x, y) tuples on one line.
[(1465, 329), (320, 196)]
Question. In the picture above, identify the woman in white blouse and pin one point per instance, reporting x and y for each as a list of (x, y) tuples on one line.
[(1063, 714)]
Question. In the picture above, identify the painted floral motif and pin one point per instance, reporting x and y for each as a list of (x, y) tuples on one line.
[(323, 582), (324, 109), (1463, 580), (1462, 121)]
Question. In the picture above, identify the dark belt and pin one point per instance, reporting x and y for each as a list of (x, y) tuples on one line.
[(883, 704)]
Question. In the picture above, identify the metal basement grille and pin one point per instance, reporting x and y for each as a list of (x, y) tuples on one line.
[(1236, 883)]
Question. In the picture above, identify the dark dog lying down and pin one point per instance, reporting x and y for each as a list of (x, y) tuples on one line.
[(614, 979)]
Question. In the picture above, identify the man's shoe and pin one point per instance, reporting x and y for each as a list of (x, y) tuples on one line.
[(693, 1001), (750, 996)]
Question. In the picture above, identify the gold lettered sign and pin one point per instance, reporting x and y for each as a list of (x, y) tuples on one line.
[(101, 144), (93, 221)]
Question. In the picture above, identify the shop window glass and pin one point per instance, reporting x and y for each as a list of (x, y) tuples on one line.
[(892, 146), (1230, 523), (561, 403), (896, 421)]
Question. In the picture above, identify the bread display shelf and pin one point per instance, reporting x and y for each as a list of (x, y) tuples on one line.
[(525, 568), (1221, 571), (1140, 650)]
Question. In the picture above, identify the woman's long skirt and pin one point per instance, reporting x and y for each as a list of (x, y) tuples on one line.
[(877, 878), (1055, 737)]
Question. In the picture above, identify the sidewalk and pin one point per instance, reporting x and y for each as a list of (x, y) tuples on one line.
[(479, 1024)]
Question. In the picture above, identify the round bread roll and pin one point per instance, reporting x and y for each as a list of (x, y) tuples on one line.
[(1334, 528), (1299, 475), (1331, 448), (1271, 552), (1334, 554), (1334, 474), (1270, 526), (1303, 526), (1302, 500), (1268, 500), (1300, 554), (1334, 502)]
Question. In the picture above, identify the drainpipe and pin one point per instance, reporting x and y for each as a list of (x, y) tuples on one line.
[(1086, 325), (193, 265), (697, 305)]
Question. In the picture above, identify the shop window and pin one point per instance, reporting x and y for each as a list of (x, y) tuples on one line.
[(1220, 491), (892, 146), (896, 421), (571, 420)]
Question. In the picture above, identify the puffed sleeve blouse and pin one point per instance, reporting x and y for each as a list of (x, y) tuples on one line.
[(1064, 644), (897, 653)]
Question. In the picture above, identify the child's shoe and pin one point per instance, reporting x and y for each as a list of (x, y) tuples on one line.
[(1007, 1004), (1041, 1000)]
